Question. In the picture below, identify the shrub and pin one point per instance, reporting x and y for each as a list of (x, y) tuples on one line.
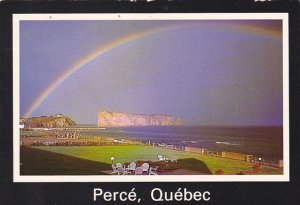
[(219, 172), (256, 167)]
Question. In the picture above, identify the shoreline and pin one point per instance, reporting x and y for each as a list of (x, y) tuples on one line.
[(91, 140)]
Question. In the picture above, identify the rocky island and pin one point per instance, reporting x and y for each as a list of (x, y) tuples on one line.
[(121, 119)]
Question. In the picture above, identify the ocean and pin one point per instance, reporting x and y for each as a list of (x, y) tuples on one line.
[(265, 142)]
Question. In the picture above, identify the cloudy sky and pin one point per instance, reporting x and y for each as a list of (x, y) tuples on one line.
[(208, 73)]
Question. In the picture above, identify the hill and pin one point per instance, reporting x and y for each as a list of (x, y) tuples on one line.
[(52, 121)]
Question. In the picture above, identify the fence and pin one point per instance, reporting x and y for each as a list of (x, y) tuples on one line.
[(225, 154), (266, 162)]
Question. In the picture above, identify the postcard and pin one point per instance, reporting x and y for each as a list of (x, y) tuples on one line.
[(151, 97)]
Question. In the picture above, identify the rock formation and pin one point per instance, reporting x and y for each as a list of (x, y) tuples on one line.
[(49, 122), (179, 122), (120, 119)]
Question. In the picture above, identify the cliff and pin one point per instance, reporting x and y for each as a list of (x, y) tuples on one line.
[(119, 119), (179, 122), (62, 121)]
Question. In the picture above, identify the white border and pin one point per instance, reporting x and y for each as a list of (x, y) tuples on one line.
[(159, 178)]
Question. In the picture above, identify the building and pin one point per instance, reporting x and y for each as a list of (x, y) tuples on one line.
[(58, 115)]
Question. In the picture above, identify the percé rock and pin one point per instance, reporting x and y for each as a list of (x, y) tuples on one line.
[(179, 122), (120, 119), (49, 122)]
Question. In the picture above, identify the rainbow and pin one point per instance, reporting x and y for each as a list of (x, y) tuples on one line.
[(102, 49)]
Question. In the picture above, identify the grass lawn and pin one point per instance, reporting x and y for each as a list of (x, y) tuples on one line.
[(82, 160)]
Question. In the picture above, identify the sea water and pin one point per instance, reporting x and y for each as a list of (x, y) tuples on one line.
[(266, 142)]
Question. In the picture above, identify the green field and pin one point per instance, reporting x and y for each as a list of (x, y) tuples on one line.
[(83, 160)]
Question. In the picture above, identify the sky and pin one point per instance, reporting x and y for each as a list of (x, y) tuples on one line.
[(205, 72)]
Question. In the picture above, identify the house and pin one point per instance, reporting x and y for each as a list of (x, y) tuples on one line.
[(58, 115)]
